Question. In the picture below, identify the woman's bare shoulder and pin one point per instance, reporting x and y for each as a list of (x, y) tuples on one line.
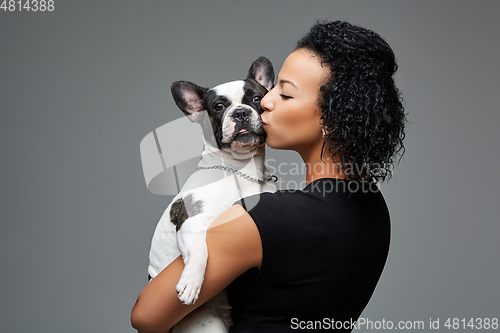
[(234, 233)]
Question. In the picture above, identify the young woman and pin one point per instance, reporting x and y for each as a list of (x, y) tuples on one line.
[(315, 255)]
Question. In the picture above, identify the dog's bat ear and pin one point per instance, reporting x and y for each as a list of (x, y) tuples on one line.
[(262, 71), (189, 98)]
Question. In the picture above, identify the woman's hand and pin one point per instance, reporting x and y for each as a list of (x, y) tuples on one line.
[(234, 246)]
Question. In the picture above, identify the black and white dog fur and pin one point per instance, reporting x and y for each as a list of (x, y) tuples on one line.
[(231, 167)]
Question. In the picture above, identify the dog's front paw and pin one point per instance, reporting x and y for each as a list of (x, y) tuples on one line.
[(188, 288)]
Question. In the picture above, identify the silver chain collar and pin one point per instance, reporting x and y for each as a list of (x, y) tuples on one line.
[(241, 174)]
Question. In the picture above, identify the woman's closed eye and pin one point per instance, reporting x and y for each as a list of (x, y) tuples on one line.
[(283, 96)]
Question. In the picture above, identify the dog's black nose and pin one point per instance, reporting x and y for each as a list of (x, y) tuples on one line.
[(242, 115)]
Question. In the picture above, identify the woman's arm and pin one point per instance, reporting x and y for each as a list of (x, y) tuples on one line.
[(234, 246)]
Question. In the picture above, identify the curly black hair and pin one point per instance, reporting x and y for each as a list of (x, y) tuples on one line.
[(362, 111)]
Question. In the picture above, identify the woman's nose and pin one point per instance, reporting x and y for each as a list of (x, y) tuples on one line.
[(266, 101)]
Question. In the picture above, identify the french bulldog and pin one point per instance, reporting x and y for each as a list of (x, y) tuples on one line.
[(231, 167)]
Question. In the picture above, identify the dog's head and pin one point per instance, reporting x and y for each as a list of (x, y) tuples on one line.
[(233, 108)]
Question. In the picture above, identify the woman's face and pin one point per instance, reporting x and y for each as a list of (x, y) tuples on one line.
[(291, 113)]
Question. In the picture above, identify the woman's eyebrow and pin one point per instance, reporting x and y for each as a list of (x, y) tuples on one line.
[(286, 81)]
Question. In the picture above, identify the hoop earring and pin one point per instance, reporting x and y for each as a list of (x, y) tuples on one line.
[(324, 140)]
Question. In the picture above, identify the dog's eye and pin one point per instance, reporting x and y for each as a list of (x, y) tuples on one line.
[(257, 98), (218, 106)]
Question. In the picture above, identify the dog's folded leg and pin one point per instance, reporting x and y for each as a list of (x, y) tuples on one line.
[(192, 244)]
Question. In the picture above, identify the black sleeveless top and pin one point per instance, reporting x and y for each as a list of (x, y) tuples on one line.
[(324, 248)]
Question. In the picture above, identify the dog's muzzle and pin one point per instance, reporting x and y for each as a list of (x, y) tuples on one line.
[(243, 125)]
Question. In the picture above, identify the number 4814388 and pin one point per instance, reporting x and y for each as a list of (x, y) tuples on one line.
[(28, 5)]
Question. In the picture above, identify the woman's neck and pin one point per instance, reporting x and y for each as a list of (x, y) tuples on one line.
[(317, 167)]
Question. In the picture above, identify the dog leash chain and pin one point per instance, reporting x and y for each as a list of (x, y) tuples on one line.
[(241, 174)]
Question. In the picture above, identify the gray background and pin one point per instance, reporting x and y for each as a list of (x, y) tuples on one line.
[(81, 86)]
